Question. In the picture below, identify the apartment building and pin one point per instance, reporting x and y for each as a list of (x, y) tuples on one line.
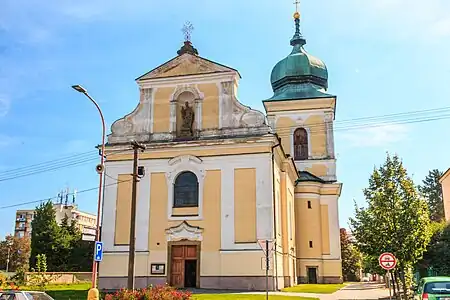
[(24, 218), (22, 227)]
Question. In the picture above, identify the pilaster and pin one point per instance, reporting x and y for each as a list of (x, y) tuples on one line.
[(173, 117), (330, 134), (198, 113)]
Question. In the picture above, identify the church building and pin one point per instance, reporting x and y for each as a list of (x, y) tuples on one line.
[(221, 178)]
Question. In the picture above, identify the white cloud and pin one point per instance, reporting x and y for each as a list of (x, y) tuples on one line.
[(420, 20), (441, 28), (380, 136), (6, 141), (4, 105)]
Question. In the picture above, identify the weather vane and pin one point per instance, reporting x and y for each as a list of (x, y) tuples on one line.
[(187, 31), (296, 2)]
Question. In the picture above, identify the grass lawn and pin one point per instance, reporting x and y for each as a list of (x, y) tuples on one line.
[(79, 292), (245, 297), (64, 291), (315, 288)]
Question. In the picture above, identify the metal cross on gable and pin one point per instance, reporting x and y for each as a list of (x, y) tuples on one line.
[(187, 31)]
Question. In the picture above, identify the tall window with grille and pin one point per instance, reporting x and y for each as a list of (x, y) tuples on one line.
[(300, 144)]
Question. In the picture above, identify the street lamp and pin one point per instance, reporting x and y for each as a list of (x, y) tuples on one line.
[(100, 169), (9, 244)]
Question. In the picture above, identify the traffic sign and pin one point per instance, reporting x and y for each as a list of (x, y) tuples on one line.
[(98, 252), (387, 261), (262, 244)]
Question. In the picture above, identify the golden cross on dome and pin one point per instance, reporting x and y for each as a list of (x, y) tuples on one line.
[(187, 31), (296, 14), (296, 2)]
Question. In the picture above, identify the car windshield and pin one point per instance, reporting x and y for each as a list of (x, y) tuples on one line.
[(37, 296), (437, 288), (7, 297)]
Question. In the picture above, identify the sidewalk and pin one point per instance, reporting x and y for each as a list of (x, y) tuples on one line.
[(357, 291)]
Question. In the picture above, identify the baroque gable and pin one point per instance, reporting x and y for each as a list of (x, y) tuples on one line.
[(185, 103), (184, 65)]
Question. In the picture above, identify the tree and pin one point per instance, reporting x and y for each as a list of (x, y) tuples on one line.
[(371, 265), (432, 191), (81, 252), (351, 258), (19, 253), (46, 238), (40, 277), (62, 245), (437, 256), (82, 256), (395, 220)]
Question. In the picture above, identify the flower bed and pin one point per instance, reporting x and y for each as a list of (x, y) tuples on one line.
[(155, 293)]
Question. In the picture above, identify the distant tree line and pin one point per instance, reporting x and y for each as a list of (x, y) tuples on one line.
[(62, 245), (17, 251)]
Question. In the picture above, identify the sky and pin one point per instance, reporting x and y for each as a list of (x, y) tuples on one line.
[(383, 57)]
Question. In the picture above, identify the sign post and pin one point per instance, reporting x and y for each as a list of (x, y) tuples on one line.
[(388, 262), (266, 246)]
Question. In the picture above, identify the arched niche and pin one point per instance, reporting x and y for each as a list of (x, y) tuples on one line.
[(186, 112)]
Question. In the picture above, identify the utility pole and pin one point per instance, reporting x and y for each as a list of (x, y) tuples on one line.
[(267, 269), (131, 255)]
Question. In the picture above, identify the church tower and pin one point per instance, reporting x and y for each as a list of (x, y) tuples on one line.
[(301, 112)]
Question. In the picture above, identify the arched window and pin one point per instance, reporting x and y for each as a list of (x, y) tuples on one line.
[(186, 190), (300, 144)]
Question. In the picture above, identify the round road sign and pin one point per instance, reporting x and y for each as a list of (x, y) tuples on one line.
[(387, 261)]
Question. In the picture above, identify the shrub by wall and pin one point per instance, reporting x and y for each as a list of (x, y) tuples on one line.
[(157, 292)]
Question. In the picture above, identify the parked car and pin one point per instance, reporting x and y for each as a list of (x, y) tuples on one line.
[(433, 288), (24, 295)]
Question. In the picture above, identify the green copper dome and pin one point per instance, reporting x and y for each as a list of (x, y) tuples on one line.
[(299, 75)]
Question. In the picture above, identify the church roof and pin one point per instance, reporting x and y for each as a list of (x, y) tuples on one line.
[(299, 75), (305, 176), (189, 62)]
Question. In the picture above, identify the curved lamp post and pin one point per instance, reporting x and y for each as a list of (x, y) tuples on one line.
[(82, 90), (9, 244)]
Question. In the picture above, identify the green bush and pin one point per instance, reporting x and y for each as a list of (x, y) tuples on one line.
[(3, 279), (159, 292)]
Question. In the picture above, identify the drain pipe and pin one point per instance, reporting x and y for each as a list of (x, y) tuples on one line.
[(275, 216)]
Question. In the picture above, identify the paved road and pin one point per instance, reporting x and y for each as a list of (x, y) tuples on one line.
[(358, 291)]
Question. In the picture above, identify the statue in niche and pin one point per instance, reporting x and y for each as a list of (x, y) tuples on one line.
[(187, 116)]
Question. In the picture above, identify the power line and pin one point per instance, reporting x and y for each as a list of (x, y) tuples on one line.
[(321, 127), (47, 169), (280, 130), (52, 167), (69, 194), (371, 121), (358, 123), (78, 160), (48, 162), (442, 109)]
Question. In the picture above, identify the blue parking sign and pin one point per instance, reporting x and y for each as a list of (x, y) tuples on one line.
[(98, 252)]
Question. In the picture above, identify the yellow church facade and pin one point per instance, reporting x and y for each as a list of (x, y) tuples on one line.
[(221, 177)]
